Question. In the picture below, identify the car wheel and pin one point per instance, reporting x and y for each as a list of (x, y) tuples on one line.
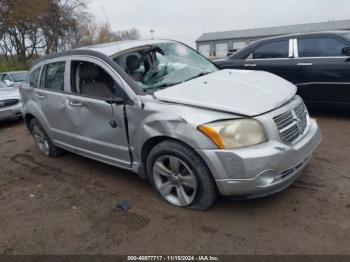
[(180, 176), (42, 140)]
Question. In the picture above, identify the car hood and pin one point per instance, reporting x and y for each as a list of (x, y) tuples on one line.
[(9, 93), (242, 92)]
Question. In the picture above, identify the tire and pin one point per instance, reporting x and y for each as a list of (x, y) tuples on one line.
[(180, 176), (42, 140)]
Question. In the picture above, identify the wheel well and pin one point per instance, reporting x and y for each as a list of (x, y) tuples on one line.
[(152, 142), (28, 118), (149, 145)]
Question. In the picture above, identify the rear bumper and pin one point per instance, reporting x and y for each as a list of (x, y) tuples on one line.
[(263, 169), (10, 112)]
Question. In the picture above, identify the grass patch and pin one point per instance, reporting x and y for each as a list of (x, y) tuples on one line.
[(11, 65)]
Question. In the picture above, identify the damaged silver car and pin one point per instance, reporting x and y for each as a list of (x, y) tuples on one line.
[(160, 109)]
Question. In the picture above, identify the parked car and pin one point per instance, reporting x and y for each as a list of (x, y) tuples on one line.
[(160, 109), (10, 104), (13, 78), (318, 63)]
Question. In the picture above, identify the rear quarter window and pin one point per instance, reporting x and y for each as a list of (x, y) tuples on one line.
[(34, 78)]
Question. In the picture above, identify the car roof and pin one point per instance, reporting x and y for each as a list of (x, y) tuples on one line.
[(338, 32), (110, 49)]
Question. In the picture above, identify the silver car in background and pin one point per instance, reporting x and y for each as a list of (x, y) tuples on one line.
[(160, 109), (10, 104), (14, 78)]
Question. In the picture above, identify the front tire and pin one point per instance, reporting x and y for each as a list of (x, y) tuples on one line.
[(42, 140), (180, 176)]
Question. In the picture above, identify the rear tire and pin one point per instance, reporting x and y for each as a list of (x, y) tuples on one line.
[(180, 176), (42, 140)]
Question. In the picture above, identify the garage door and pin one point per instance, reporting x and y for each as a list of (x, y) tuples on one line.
[(239, 45), (204, 50), (221, 50)]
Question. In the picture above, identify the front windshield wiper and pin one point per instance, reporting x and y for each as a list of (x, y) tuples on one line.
[(155, 88), (196, 76), (165, 85)]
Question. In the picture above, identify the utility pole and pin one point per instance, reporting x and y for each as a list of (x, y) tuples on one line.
[(152, 33)]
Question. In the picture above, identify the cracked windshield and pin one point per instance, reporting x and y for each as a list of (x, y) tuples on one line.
[(164, 65)]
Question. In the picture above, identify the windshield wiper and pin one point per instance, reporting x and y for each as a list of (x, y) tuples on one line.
[(160, 86), (196, 76)]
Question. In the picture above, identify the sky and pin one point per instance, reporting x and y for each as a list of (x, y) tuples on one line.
[(186, 20)]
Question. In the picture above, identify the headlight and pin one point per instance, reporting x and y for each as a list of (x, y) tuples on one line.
[(235, 133)]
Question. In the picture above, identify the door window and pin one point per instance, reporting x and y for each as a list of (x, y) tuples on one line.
[(320, 47), (34, 78), (92, 80), (278, 49), (53, 76)]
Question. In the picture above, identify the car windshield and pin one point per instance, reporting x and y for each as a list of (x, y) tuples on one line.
[(19, 77), (163, 65)]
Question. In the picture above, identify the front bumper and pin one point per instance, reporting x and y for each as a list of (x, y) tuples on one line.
[(261, 170), (11, 112)]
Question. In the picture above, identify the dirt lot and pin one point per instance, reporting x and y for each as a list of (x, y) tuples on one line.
[(67, 206)]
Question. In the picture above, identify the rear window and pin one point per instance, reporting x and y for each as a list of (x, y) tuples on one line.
[(53, 76), (34, 78), (278, 49), (320, 47)]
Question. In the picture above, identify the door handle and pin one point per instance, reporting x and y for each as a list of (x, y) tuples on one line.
[(305, 64), (75, 103), (40, 96), (250, 65)]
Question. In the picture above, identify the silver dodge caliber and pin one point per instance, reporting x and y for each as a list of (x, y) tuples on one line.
[(160, 109)]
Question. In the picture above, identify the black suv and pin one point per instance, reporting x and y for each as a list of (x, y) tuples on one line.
[(318, 63)]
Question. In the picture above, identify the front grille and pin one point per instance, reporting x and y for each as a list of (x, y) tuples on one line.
[(8, 102), (292, 124)]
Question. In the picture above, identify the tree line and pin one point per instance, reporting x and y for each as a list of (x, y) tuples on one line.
[(31, 28)]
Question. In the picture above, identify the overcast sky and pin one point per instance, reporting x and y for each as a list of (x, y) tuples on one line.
[(186, 20)]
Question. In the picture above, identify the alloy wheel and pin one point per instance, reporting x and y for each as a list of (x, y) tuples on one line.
[(175, 180), (41, 140)]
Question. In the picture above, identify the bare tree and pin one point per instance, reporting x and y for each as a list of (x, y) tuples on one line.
[(30, 28)]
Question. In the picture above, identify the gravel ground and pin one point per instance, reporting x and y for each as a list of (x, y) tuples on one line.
[(67, 206)]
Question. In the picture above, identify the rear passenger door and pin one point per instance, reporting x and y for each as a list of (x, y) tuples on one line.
[(95, 128), (323, 71), (50, 96)]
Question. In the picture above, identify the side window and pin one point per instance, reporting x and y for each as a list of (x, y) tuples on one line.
[(279, 49), (320, 47), (92, 80), (6, 77), (52, 77), (34, 78)]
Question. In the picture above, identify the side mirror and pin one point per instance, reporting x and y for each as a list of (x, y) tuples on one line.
[(346, 51), (115, 101), (9, 83)]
